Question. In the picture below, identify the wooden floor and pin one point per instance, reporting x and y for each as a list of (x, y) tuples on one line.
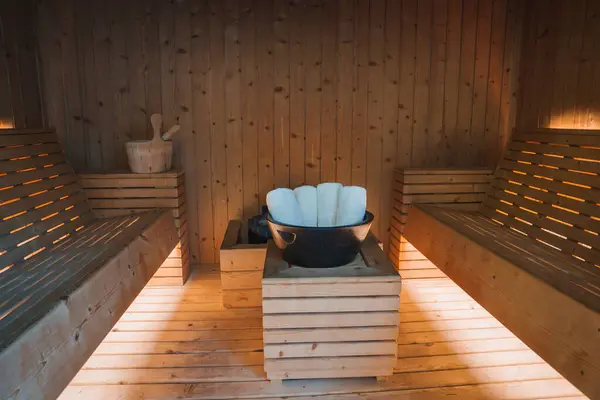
[(181, 343)]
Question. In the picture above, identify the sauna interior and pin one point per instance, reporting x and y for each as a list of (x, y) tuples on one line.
[(474, 126)]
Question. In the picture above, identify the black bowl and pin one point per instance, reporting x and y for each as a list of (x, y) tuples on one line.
[(320, 247)]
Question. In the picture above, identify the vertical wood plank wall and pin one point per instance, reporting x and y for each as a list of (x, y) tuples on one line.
[(560, 66), (20, 100), (275, 93)]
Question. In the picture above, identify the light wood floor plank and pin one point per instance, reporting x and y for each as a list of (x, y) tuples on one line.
[(179, 342)]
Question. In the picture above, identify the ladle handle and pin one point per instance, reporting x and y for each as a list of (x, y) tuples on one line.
[(156, 120)]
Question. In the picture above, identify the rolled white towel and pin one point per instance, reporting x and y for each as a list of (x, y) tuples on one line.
[(284, 207), (352, 205), (327, 201), (307, 199)]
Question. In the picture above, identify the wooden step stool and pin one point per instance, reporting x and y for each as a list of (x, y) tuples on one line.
[(331, 322)]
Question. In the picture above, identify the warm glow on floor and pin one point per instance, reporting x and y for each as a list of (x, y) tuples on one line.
[(180, 342)]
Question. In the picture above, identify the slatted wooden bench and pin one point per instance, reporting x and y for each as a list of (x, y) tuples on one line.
[(531, 254), (65, 277)]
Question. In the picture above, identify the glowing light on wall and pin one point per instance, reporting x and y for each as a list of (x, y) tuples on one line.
[(582, 119), (6, 124)]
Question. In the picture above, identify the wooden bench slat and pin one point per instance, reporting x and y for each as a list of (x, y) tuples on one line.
[(552, 198), (32, 162), (557, 136), (44, 184), (27, 139), (537, 221), (553, 186), (30, 176), (40, 227), (32, 203), (560, 175), (18, 254), (577, 152), (535, 233), (561, 162), (23, 151), (579, 222)]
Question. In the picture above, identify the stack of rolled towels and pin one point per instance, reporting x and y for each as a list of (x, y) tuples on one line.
[(328, 204)]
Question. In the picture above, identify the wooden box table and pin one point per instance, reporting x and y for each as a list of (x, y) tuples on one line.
[(331, 322)]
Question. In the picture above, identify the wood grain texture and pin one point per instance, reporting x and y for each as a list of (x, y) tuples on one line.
[(21, 103), (560, 65), (277, 93)]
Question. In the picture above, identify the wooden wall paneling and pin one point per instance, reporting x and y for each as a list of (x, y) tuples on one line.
[(345, 79), (167, 64), (21, 104), (452, 79), (510, 68), (27, 58), (217, 125), (297, 93), (233, 127), (544, 64), (575, 25), (312, 34), (593, 101), (249, 108), (465, 88), (536, 42), (393, 14), (71, 83), (559, 48), (408, 36), (436, 142), (281, 93), (359, 101), (585, 77), (480, 81), (183, 109), (201, 98), (285, 93), (264, 61), (12, 49), (526, 79), (563, 66), (137, 115), (375, 108), (49, 42), (422, 76), (494, 85), (120, 84), (6, 113), (104, 101), (328, 92), (85, 52), (152, 64)]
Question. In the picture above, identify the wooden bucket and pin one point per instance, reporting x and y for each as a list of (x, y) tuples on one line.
[(149, 156)]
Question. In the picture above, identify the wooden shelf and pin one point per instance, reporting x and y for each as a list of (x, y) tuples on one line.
[(120, 193)]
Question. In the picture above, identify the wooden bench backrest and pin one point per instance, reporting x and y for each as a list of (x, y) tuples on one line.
[(548, 187), (40, 200)]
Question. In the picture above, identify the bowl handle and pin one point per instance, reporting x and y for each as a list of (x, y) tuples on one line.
[(287, 237)]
